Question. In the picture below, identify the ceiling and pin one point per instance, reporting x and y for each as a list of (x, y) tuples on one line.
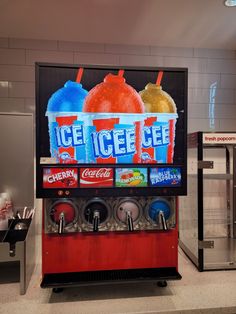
[(166, 23)]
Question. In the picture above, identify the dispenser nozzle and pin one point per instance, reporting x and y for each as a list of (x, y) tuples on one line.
[(162, 220), (130, 220), (61, 224), (96, 217)]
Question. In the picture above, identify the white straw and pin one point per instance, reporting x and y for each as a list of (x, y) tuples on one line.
[(30, 213), (33, 211), (24, 212)]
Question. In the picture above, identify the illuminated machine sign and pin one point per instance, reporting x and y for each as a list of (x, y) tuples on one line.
[(110, 118)]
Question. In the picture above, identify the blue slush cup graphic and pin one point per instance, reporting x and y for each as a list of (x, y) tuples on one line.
[(67, 102), (130, 150), (163, 142), (89, 130), (159, 205)]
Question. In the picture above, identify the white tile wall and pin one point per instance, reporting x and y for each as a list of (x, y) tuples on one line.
[(198, 124), (4, 89), (125, 49), (96, 58), (33, 56), (225, 112), (3, 42), (228, 81), (194, 65), (202, 96), (221, 66), (214, 53), (171, 52), (12, 104), (134, 60), (200, 111), (29, 105), (206, 66), (21, 89), (33, 44), (224, 96), (19, 73), (80, 47), (12, 56), (201, 80), (227, 125)]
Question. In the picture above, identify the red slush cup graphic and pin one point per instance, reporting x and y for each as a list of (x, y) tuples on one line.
[(95, 177), (115, 97)]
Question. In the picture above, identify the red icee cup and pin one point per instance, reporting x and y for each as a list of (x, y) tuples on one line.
[(114, 107)]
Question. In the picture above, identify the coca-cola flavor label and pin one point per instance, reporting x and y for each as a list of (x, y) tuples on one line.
[(60, 178), (96, 177), (165, 177), (131, 177)]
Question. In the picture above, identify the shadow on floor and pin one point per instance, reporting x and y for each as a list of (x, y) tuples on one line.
[(106, 292), (9, 272)]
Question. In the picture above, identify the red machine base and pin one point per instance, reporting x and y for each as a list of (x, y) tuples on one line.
[(81, 252), (95, 258)]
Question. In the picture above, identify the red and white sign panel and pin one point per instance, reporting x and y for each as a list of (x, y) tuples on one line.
[(60, 178), (96, 177), (219, 138)]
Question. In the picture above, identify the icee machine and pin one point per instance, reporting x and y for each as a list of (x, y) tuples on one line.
[(110, 164)]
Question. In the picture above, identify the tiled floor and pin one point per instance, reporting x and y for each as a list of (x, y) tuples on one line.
[(207, 292)]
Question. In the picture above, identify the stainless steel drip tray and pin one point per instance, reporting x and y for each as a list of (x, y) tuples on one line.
[(61, 280), (222, 256)]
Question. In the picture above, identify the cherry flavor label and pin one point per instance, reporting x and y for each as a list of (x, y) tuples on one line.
[(96, 177), (60, 178)]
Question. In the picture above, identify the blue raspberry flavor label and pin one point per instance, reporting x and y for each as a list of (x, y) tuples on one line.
[(165, 177)]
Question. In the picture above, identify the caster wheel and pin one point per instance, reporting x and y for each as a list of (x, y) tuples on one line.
[(57, 290), (162, 283)]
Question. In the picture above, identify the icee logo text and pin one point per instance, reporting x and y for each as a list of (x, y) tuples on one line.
[(69, 135), (155, 135), (118, 142)]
